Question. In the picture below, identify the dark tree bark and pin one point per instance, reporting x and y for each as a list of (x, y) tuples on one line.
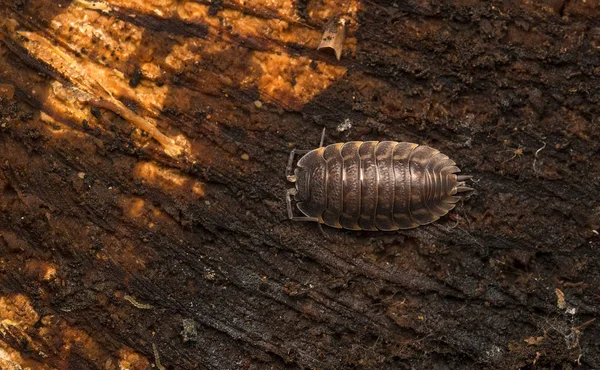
[(127, 246)]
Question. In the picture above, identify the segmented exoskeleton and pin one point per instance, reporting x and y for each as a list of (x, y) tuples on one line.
[(373, 185)]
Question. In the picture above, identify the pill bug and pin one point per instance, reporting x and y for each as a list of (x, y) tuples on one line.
[(373, 185)]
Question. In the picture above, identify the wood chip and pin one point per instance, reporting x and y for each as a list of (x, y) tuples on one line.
[(533, 340), (333, 36), (560, 299)]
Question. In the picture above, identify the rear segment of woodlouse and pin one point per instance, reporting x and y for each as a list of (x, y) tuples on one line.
[(374, 185)]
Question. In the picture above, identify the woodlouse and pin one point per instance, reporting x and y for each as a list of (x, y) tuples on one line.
[(373, 185)]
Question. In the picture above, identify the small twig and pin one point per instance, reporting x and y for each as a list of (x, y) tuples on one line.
[(137, 304), (584, 325), (536, 155), (170, 145), (157, 358)]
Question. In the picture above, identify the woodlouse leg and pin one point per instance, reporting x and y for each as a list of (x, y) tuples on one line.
[(288, 200), (323, 232)]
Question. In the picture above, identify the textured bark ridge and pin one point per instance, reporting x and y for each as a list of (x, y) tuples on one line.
[(143, 147)]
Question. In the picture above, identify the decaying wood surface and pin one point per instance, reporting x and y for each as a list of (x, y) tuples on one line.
[(142, 154)]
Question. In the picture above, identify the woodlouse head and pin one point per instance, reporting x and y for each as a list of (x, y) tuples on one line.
[(309, 172), (302, 181)]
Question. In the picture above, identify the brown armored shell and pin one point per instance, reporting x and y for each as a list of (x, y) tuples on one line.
[(376, 185)]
